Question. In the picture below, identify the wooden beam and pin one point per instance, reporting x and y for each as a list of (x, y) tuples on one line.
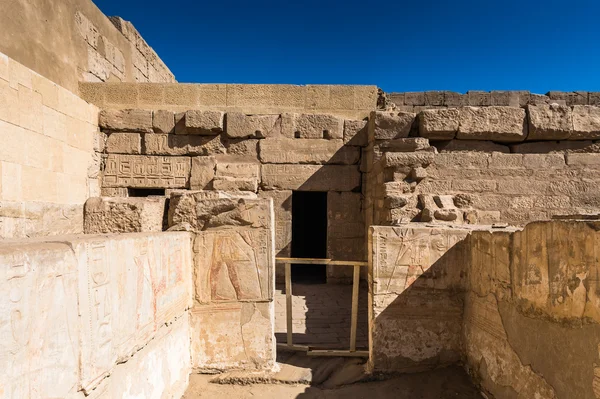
[(299, 348), (288, 302), (304, 261), (354, 319), (348, 263)]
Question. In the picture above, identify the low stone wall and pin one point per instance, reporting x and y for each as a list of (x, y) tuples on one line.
[(79, 309), (48, 164), (531, 317)]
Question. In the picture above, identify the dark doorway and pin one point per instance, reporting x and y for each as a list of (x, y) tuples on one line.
[(145, 192), (309, 235)]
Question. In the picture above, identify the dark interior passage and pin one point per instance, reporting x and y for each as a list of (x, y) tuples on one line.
[(309, 234)]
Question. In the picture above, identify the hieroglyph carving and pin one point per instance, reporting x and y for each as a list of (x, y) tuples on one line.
[(146, 171)]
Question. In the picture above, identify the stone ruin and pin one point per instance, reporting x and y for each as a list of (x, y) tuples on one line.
[(141, 221)]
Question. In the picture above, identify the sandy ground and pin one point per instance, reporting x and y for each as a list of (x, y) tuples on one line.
[(449, 383)]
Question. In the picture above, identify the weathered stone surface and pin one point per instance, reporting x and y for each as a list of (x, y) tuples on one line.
[(175, 144), (282, 204), (123, 215), (586, 122), (146, 172), (356, 132), (163, 121), (391, 159), (390, 125), (114, 192), (311, 177), (307, 151), (237, 168), (404, 145), (235, 184), (439, 124), (127, 120), (312, 126), (124, 143), (566, 146), (549, 122), (199, 122), (203, 172), (472, 146), (503, 124), (242, 147), (239, 125), (233, 335)]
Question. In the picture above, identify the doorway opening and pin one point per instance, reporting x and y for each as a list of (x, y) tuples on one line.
[(309, 235)]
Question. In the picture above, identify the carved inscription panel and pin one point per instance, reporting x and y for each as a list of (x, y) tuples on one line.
[(146, 171)]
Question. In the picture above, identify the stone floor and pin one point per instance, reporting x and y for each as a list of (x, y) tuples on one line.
[(448, 383), (321, 315)]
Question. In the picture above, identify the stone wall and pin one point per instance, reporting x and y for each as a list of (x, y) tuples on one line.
[(531, 316), (259, 155), (47, 161), (100, 315), (69, 41)]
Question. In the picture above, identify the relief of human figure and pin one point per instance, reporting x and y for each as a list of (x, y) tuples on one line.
[(233, 272)]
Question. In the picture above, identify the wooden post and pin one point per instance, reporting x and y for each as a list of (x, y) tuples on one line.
[(354, 320), (288, 302)]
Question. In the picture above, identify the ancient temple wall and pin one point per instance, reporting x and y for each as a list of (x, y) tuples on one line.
[(69, 41), (531, 311), (48, 164), (93, 314)]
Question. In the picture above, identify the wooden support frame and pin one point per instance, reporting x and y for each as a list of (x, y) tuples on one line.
[(289, 345)]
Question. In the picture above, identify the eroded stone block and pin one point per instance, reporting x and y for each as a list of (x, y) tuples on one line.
[(175, 144), (146, 172), (124, 143), (439, 124), (163, 121), (123, 215), (390, 125), (311, 177), (404, 145), (586, 123), (356, 132), (200, 122), (549, 122), (503, 124), (127, 120), (312, 126), (203, 172), (239, 125), (316, 151)]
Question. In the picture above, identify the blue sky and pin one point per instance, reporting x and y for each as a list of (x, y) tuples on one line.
[(400, 45)]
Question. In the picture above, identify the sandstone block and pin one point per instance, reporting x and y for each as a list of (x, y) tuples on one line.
[(239, 125), (127, 120), (114, 192), (177, 144), (549, 122), (356, 133), (199, 122), (404, 145), (504, 124), (542, 147), (439, 124), (311, 177), (235, 184), (163, 121), (390, 125), (585, 160), (202, 173), (586, 122), (316, 151), (124, 143), (237, 169), (123, 215), (146, 171), (312, 126), (393, 159), (471, 146), (241, 147)]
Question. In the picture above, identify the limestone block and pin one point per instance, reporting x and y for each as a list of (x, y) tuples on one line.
[(123, 215), (390, 125), (163, 121), (549, 122), (439, 124), (146, 171), (159, 370), (112, 270), (472, 146), (356, 132), (38, 322), (176, 144), (202, 122), (232, 336), (586, 123), (312, 126), (124, 143), (404, 145), (311, 177), (203, 172), (316, 151), (126, 120), (235, 264), (239, 125), (503, 124)]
